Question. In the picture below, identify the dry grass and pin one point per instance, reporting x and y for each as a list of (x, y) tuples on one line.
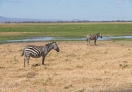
[(76, 68)]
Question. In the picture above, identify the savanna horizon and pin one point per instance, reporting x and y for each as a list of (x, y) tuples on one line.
[(25, 30)]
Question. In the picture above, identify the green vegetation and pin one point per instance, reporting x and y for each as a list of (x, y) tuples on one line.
[(20, 31)]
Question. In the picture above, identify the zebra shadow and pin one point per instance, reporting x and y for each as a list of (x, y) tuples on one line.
[(100, 44), (38, 64), (35, 65)]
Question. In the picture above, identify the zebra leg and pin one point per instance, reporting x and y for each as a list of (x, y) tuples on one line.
[(87, 40), (88, 43), (26, 59), (94, 42), (43, 58)]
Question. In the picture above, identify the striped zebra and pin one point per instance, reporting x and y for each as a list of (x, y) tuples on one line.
[(93, 37), (38, 51)]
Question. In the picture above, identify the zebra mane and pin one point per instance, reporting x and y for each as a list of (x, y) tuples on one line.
[(49, 44)]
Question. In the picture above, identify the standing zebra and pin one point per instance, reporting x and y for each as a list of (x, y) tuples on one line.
[(93, 37), (38, 51)]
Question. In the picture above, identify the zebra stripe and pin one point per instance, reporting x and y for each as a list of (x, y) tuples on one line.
[(93, 37), (38, 51)]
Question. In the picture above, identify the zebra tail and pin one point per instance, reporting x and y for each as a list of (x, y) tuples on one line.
[(22, 53)]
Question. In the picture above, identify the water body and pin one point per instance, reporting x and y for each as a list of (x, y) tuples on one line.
[(66, 39)]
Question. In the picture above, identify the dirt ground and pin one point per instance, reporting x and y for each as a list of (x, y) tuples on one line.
[(76, 68)]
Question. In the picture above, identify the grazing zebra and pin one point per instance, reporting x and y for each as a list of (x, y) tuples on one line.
[(38, 51), (93, 37)]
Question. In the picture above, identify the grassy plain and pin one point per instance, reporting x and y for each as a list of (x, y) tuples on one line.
[(20, 31), (76, 68)]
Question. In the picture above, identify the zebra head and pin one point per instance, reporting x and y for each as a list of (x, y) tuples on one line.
[(55, 46), (100, 35)]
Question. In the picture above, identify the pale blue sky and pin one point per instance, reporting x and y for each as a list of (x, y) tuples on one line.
[(93, 10)]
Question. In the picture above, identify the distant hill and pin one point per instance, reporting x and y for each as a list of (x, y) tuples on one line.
[(75, 20), (4, 19)]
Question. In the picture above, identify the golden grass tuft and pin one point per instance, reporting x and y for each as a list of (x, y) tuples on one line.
[(76, 68)]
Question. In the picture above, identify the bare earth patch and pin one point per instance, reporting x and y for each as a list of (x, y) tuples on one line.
[(76, 68)]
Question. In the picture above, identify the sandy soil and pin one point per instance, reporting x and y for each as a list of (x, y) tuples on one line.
[(76, 68)]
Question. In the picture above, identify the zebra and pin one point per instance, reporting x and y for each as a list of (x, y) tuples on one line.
[(38, 51), (93, 37)]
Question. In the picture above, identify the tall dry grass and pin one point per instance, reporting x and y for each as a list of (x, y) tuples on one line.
[(76, 68)]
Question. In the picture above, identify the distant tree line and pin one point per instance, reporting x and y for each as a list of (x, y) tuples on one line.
[(79, 21)]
